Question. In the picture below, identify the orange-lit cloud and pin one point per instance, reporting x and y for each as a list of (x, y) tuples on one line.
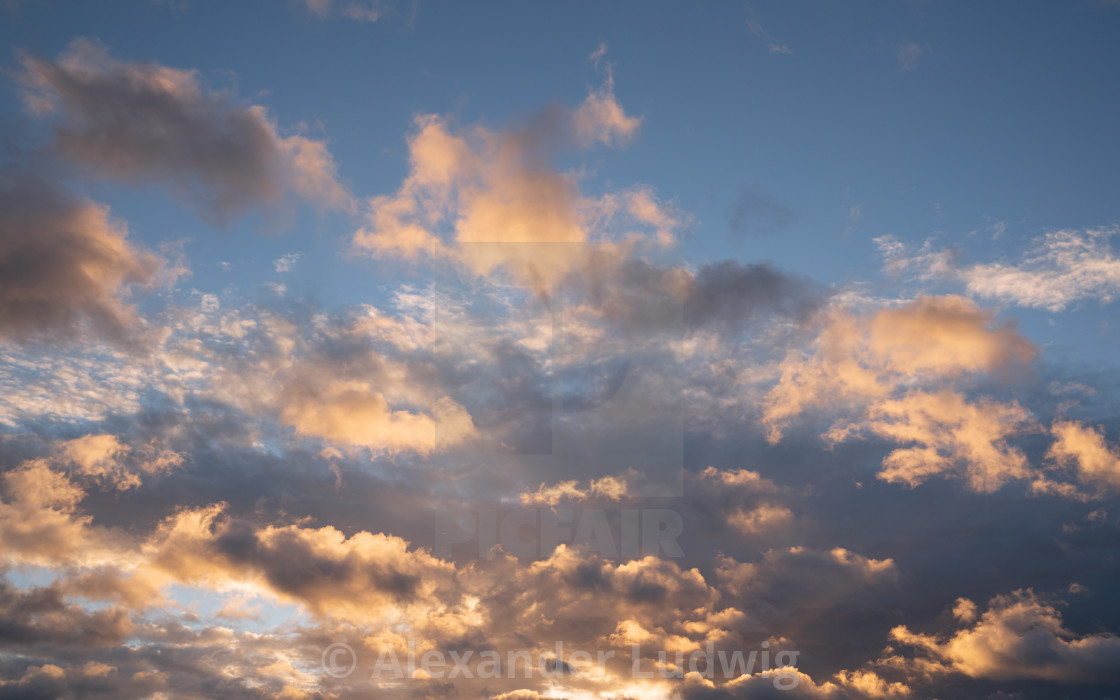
[(1084, 450), (897, 370), (1018, 637), (492, 199)]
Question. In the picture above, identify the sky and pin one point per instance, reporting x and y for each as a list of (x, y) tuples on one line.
[(530, 351)]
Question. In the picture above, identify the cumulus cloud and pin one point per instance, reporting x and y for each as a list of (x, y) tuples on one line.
[(41, 521), (793, 684), (949, 435), (354, 413), (761, 519), (108, 460), (610, 488), (143, 123), (252, 512), (1019, 637), (364, 577), (1084, 450), (866, 358), (491, 200), (66, 266), (898, 370), (817, 579)]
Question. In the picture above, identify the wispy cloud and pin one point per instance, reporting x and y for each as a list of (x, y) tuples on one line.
[(359, 10), (908, 54), (774, 44), (1063, 268), (757, 213)]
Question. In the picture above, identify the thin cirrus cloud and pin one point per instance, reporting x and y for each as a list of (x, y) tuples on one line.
[(368, 11), (1059, 270), (1063, 268), (143, 122)]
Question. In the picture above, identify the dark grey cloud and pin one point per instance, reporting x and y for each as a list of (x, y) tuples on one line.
[(733, 295), (146, 123), (66, 266), (43, 615)]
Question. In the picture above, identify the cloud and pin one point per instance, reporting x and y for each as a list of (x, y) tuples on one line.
[(1018, 637), (795, 685), (1083, 449), (949, 435), (355, 414), (1063, 268), (865, 359), (764, 518), (108, 460), (143, 123), (598, 54), (757, 213), (263, 483), (908, 55), (773, 44), (819, 577), (359, 10), (924, 264), (364, 577), (39, 615), (286, 262), (66, 266), (898, 369), (608, 488), (40, 518), (491, 201), (600, 120)]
